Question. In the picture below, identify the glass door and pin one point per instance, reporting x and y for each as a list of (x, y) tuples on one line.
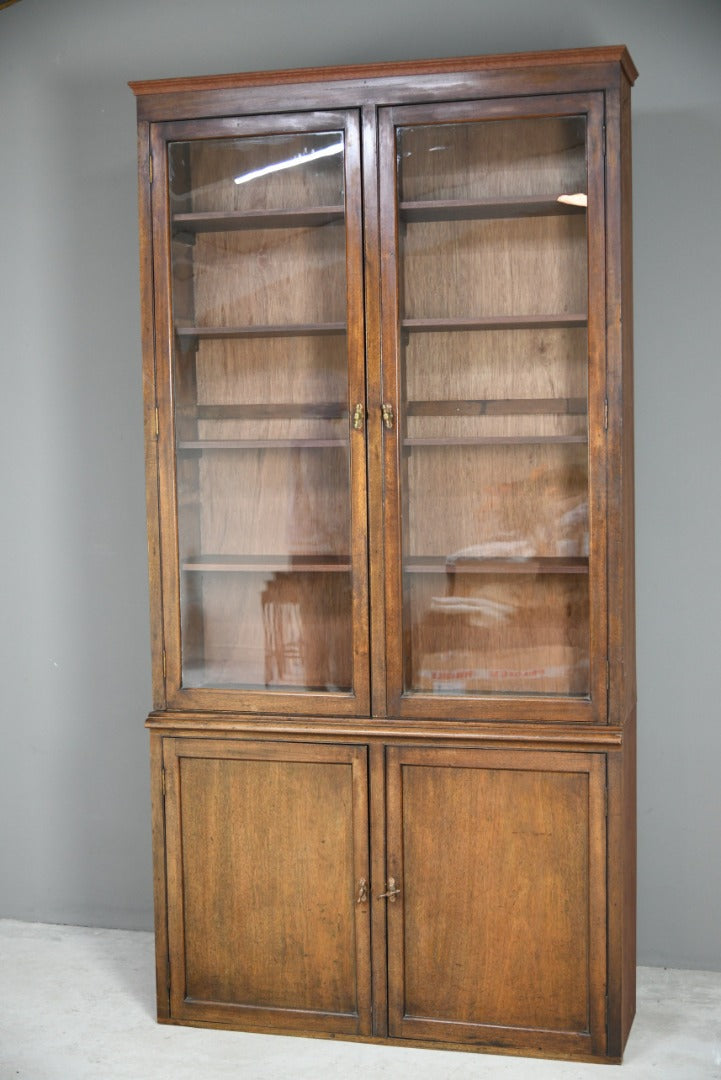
[(267, 579), (493, 403)]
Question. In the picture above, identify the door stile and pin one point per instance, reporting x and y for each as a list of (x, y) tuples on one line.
[(357, 395), (393, 868), (374, 441), (379, 928), (164, 396), (597, 410), (392, 494), (147, 291), (598, 902)]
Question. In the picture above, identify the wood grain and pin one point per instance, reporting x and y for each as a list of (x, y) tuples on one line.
[(461, 826), (150, 382), (280, 935), (415, 70)]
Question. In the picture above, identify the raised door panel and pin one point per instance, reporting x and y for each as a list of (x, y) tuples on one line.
[(498, 933), (494, 375), (261, 389), (267, 849)]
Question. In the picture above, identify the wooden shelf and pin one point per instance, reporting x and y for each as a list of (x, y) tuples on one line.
[(323, 410), (494, 440), (500, 407), (485, 209), (277, 564), (336, 410), (495, 322), (235, 220), (258, 444), (536, 564), (279, 330)]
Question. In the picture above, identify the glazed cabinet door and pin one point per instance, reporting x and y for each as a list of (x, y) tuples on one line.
[(492, 239), (267, 864), (497, 933), (259, 370)]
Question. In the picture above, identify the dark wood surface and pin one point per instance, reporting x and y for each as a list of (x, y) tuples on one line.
[(420, 564), (273, 330), (498, 407), (461, 824), (307, 805), (473, 209), (526, 799), (413, 69), (227, 221), (493, 322)]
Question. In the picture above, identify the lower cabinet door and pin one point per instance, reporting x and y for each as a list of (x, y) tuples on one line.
[(267, 859), (498, 933)]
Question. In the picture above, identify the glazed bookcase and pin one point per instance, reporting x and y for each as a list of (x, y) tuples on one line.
[(387, 344)]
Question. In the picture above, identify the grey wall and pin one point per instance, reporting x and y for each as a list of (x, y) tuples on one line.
[(74, 840)]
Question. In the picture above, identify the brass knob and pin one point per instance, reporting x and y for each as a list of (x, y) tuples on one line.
[(387, 414), (358, 414)]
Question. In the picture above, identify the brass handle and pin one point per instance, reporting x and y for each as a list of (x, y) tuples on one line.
[(362, 897), (387, 414), (392, 893), (358, 414)]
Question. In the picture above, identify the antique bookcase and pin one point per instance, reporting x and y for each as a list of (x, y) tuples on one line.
[(388, 388)]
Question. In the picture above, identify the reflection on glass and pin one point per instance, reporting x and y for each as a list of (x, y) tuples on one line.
[(261, 416), (494, 354)]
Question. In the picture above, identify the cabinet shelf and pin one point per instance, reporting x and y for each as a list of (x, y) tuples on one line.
[(575, 406), (495, 322), (276, 330), (330, 410), (258, 444), (290, 564), (534, 564), (485, 209), (235, 220), (493, 440)]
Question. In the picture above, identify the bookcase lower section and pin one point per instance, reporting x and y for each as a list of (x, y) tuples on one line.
[(467, 891)]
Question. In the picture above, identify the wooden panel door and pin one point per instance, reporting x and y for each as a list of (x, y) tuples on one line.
[(497, 934), (267, 860), (260, 378), (492, 233)]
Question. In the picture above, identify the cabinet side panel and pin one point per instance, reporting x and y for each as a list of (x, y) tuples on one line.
[(629, 599), (620, 406), (147, 307), (159, 877), (629, 891), (622, 889)]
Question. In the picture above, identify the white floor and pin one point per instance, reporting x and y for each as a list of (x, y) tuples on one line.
[(78, 1004)]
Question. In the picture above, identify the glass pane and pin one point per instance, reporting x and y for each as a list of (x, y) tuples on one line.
[(261, 390), (494, 362)]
